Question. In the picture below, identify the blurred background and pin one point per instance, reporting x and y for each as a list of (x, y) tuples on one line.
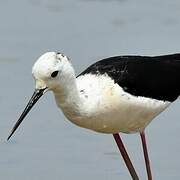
[(47, 146)]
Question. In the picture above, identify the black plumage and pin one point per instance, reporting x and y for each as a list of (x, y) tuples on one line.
[(156, 77)]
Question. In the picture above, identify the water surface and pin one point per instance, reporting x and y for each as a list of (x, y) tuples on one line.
[(47, 146)]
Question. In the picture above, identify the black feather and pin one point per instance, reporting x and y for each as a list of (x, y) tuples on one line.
[(155, 77)]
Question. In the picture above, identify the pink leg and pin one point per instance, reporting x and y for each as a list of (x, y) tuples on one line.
[(146, 157), (125, 156)]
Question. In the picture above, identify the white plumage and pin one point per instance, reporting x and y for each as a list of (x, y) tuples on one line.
[(104, 106)]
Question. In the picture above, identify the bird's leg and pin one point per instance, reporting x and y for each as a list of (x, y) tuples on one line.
[(146, 157), (125, 156)]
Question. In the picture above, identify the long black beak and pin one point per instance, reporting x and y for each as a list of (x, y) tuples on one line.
[(35, 97)]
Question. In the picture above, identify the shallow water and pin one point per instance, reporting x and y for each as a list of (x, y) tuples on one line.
[(47, 146)]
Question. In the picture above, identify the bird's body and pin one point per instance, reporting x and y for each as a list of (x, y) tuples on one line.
[(122, 94), (101, 105), (117, 94)]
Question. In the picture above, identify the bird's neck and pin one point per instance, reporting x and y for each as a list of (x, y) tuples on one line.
[(68, 98)]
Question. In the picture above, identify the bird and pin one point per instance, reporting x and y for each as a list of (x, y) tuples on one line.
[(120, 94)]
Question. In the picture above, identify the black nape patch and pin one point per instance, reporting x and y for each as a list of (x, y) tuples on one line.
[(59, 53)]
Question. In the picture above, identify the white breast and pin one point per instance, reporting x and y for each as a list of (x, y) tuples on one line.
[(108, 108)]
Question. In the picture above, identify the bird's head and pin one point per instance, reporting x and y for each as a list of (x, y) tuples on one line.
[(51, 71)]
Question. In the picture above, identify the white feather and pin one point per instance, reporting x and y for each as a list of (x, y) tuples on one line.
[(105, 107)]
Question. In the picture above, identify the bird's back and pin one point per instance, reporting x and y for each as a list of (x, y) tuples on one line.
[(155, 77)]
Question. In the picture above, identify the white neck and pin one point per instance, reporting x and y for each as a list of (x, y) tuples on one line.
[(68, 98)]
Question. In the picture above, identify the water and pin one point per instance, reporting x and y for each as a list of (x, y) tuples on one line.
[(47, 146)]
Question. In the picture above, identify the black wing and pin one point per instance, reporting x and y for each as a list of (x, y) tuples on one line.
[(155, 77)]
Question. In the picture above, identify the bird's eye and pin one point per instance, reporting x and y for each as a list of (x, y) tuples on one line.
[(54, 74)]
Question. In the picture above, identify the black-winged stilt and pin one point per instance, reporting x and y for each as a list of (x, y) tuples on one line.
[(117, 94)]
